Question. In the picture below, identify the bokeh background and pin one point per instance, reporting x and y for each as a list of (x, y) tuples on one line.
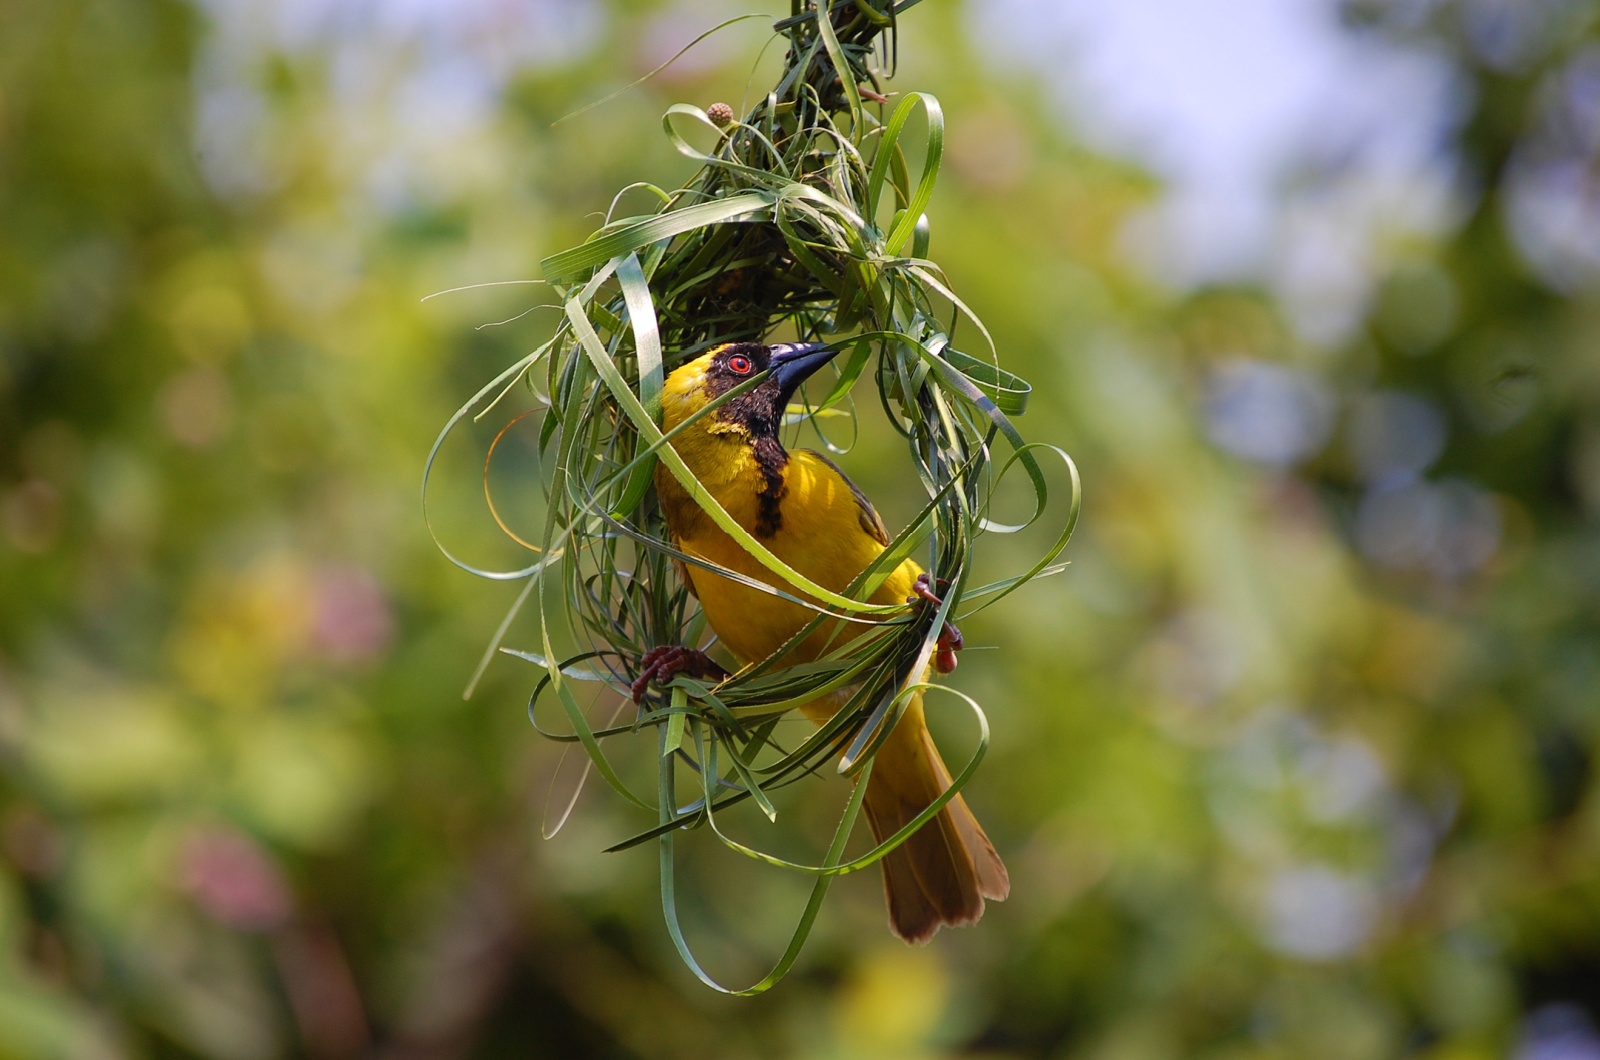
[(1296, 760)]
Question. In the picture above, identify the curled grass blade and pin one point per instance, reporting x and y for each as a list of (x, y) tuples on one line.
[(570, 263)]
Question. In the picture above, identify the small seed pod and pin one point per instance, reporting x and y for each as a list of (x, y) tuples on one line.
[(721, 115)]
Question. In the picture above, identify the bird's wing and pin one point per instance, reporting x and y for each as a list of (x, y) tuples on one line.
[(871, 521)]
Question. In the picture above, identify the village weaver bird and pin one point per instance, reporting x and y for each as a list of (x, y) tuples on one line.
[(813, 518)]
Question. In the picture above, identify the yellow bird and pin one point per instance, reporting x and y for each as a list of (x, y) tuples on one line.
[(808, 514)]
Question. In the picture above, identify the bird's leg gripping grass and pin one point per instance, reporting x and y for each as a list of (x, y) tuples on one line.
[(660, 665), (950, 639)]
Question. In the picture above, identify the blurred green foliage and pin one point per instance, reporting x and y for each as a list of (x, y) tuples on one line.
[(1295, 761)]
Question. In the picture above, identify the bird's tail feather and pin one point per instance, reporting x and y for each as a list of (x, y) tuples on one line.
[(943, 873)]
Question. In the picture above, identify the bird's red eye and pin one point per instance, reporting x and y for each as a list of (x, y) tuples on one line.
[(739, 363)]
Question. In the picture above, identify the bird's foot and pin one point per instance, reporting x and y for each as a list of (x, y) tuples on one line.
[(950, 639), (662, 664)]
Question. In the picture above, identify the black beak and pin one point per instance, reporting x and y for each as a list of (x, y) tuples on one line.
[(792, 363)]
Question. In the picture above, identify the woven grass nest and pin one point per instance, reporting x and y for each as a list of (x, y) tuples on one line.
[(803, 223)]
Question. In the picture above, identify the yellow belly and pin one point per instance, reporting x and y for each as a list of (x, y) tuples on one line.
[(821, 537)]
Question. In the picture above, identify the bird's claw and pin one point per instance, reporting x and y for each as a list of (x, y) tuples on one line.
[(661, 664), (922, 589), (950, 639)]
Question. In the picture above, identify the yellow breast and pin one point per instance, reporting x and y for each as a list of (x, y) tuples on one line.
[(820, 535)]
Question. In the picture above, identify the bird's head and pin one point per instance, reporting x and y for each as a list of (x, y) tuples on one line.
[(757, 412)]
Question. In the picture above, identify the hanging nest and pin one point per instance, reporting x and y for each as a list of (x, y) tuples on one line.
[(802, 219)]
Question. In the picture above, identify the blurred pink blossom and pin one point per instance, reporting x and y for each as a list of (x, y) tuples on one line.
[(234, 880), (353, 621)]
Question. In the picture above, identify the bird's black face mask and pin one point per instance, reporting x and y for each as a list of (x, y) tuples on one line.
[(761, 410)]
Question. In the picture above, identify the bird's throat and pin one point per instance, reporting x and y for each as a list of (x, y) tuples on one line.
[(743, 471), (770, 460)]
